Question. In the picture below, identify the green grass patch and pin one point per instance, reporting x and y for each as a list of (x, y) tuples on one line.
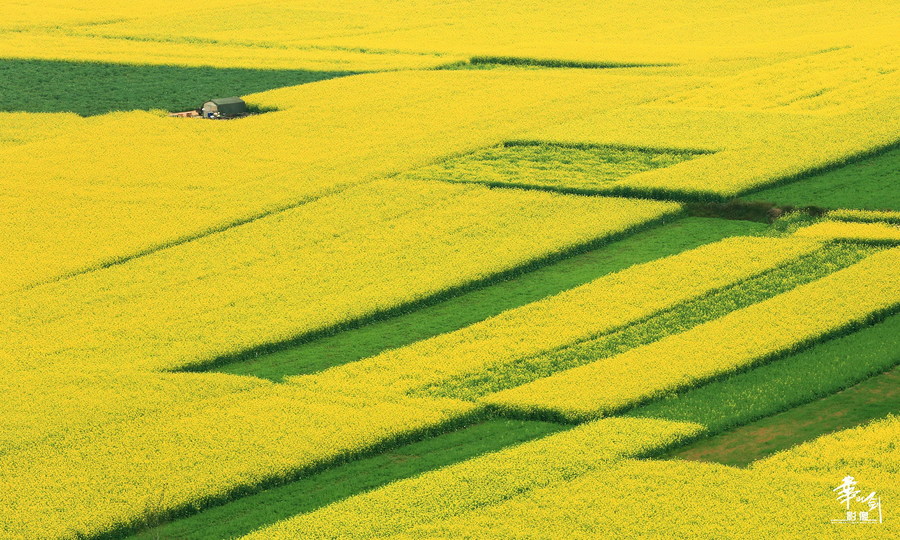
[(479, 304), (668, 322), (869, 400), (572, 168), (870, 183), (91, 88), (246, 514), (794, 380)]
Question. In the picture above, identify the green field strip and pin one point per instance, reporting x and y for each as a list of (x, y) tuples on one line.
[(92, 88), (492, 62), (245, 514), (869, 400), (479, 304), (816, 372), (564, 168), (871, 183), (555, 63), (668, 322)]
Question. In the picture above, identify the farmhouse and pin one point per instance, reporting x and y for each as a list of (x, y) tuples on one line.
[(231, 107)]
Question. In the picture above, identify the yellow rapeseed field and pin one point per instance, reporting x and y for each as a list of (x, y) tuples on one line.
[(861, 232), (134, 245), (595, 490), (484, 481), (89, 478), (310, 268), (599, 307), (282, 33), (151, 187), (780, 324)]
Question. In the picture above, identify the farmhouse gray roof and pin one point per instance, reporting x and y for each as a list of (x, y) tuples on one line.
[(230, 105)]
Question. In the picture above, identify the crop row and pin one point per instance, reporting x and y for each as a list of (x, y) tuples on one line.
[(865, 216), (483, 481), (738, 340), (852, 231), (687, 499), (799, 378), (510, 494), (301, 271), (678, 318), (598, 307), (470, 307)]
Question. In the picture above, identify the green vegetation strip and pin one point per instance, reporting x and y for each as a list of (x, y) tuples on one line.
[(91, 88), (672, 321), (870, 183), (246, 514), (816, 372), (556, 167), (551, 63), (869, 400), (480, 304)]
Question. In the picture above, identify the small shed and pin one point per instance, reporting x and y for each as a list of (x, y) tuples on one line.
[(224, 107)]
